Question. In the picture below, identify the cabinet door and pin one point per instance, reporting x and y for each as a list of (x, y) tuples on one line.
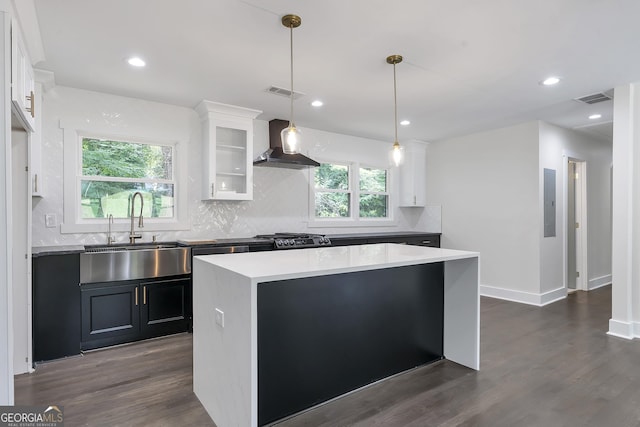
[(56, 306), (164, 306), (227, 151), (110, 315), (413, 176), (228, 158), (22, 80)]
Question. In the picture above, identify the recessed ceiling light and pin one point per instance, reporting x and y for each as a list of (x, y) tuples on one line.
[(405, 123), (317, 103), (595, 116), (136, 62), (550, 81)]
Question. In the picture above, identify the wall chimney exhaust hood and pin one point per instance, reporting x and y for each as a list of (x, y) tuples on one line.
[(274, 157)]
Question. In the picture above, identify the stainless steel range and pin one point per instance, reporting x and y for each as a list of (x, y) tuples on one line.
[(296, 240)]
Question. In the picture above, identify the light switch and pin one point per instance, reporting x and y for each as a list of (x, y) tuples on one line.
[(220, 317), (50, 220)]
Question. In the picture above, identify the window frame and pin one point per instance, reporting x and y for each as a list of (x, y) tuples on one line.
[(354, 220), (73, 176)]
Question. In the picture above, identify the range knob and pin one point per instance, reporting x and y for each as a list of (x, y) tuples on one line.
[(278, 242), (291, 242)]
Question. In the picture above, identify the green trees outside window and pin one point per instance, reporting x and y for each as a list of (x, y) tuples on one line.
[(334, 193), (113, 170), (374, 195)]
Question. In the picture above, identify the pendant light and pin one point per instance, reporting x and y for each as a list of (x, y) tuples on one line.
[(290, 136), (396, 154)]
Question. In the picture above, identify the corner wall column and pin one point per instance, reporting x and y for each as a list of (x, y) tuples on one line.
[(625, 303)]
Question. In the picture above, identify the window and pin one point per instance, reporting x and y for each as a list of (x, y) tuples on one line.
[(112, 171), (102, 171), (336, 198), (374, 193), (332, 191)]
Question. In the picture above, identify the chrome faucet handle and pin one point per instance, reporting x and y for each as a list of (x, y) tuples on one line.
[(110, 238)]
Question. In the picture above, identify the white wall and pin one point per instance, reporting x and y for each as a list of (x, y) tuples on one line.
[(556, 146), (490, 186), (6, 245), (280, 195), (21, 201), (487, 186)]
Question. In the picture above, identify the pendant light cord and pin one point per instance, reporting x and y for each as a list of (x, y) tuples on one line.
[(291, 123), (395, 102)]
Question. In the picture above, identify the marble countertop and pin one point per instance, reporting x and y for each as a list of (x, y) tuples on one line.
[(287, 264)]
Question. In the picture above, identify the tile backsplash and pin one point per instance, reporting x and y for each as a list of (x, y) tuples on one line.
[(281, 196)]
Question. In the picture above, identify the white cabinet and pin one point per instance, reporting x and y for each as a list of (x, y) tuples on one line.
[(22, 80), (413, 175), (227, 151)]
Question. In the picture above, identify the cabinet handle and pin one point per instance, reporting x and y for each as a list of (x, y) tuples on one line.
[(414, 200), (35, 179), (32, 101), (144, 295), (136, 295), (213, 186)]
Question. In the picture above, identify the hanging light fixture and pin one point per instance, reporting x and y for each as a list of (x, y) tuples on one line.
[(291, 135), (397, 152)]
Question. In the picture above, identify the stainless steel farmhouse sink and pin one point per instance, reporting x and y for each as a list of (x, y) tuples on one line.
[(108, 263)]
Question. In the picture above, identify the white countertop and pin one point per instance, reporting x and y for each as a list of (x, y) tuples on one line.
[(287, 264)]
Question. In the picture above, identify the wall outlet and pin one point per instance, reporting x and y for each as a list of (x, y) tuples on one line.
[(220, 317), (50, 220)]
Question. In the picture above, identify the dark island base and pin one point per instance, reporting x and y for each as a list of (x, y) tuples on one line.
[(320, 337)]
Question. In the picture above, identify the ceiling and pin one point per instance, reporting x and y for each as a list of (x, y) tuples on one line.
[(468, 66)]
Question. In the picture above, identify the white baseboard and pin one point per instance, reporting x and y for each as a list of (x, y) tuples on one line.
[(599, 282), (621, 329), (524, 297), (553, 296)]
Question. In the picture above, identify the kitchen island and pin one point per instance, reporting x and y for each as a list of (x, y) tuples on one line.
[(278, 332)]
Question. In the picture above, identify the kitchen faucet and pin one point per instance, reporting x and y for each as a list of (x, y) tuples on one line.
[(132, 235)]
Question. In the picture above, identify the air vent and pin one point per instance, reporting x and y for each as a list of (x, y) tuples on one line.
[(284, 92), (595, 98)]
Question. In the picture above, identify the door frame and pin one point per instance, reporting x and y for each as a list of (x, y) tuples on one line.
[(582, 282)]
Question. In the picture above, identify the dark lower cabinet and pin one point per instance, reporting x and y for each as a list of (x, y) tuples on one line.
[(416, 239), (110, 314), (165, 308), (426, 240), (56, 306), (115, 313)]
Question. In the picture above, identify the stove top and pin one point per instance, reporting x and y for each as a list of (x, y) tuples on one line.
[(296, 240)]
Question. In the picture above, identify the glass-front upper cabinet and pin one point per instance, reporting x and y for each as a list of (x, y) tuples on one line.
[(227, 151)]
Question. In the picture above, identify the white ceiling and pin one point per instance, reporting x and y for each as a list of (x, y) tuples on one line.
[(468, 65)]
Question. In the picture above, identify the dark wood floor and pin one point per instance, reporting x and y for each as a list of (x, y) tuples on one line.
[(549, 366), (144, 384)]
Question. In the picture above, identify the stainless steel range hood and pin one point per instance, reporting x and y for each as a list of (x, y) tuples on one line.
[(274, 157)]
